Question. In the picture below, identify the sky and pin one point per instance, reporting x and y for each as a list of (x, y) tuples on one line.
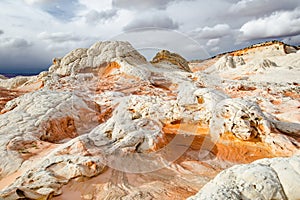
[(32, 32)]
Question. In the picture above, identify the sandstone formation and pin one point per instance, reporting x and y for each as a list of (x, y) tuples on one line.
[(2, 77), (104, 123), (98, 55), (276, 178), (171, 58)]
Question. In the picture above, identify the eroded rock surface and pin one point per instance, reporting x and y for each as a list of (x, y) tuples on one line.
[(105, 123), (171, 58), (276, 178)]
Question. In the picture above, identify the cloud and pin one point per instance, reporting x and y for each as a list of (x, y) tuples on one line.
[(95, 5), (213, 42), (149, 41), (31, 2), (52, 28), (94, 17), (58, 37), (158, 20), (141, 5), (262, 7), (16, 52), (279, 24), (1, 32), (14, 43), (295, 40), (64, 10), (217, 31)]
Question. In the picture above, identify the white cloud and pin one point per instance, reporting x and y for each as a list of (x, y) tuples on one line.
[(141, 5), (151, 40), (149, 19), (262, 7), (217, 31), (31, 2), (279, 24), (58, 37), (213, 42), (51, 28), (94, 17)]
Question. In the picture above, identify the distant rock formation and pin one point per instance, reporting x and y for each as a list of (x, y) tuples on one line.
[(172, 58), (227, 62), (2, 77), (274, 45), (262, 61)]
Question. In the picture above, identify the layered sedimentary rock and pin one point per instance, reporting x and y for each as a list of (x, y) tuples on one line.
[(105, 123), (171, 58)]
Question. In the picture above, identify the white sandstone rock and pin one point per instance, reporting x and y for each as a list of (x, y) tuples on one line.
[(13, 83), (42, 115), (242, 118), (276, 178), (97, 56)]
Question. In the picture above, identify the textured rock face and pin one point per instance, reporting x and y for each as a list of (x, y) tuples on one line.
[(173, 58), (103, 123), (2, 77), (229, 62), (7, 95), (40, 116), (261, 62), (242, 118), (268, 179), (98, 55), (14, 83)]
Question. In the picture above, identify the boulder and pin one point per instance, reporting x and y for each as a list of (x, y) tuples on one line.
[(268, 179)]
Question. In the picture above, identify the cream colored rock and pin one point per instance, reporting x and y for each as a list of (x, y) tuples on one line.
[(172, 59), (2, 77), (13, 83), (242, 118), (46, 179), (106, 109), (226, 62), (268, 179), (208, 99), (134, 125), (43, 115), (98, 55)]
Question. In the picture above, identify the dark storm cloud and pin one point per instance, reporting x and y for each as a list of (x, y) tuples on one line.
[(295, 40), (151, 20), (17, 54), (14, 43), (1, 32), (94, 17)]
